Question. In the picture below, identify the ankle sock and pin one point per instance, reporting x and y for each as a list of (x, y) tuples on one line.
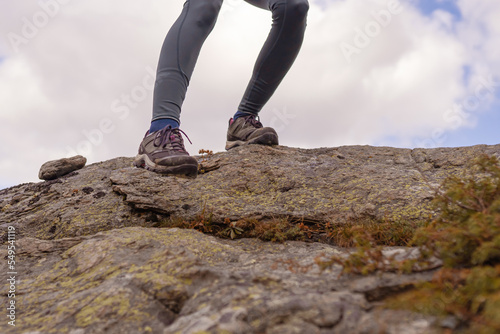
[(161, 123), (240, 114)]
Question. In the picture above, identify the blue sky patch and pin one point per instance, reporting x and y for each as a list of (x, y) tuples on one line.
[(485, 131), (427, 7)]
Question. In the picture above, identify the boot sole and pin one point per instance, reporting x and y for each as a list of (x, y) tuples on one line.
[(266, 139), (188, 169)]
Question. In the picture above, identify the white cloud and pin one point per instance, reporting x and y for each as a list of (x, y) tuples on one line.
[(398, 85), (91, 54), (480, 34)]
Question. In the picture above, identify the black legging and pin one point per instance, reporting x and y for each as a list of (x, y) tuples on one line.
[(184, 41)]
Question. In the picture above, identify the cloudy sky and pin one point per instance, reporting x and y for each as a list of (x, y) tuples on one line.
[(76, 77)]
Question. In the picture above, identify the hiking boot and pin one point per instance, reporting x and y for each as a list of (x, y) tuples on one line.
[(163, 152), (247, 130)]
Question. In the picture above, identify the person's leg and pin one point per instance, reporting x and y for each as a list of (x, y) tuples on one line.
[(275, 59), (278, 53), (162, 149), (178, 58)]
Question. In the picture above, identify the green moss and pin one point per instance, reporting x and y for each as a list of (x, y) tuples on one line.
[(116, 305)]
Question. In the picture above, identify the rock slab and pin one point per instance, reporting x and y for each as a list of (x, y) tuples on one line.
[(53, 169), (91, 260), (345, 184), (166, 281)]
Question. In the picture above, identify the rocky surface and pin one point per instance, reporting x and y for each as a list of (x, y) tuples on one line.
[(353, 183), (56, 168), (90, 260), (143, 280)]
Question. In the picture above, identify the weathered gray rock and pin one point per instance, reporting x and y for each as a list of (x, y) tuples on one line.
[(146, 280), (90, 260), (53, 169), (79, 203), (352, 183)]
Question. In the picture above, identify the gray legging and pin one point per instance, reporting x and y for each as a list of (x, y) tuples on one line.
[(184, 41)]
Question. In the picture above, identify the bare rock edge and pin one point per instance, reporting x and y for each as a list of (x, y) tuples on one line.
[(90, 260)]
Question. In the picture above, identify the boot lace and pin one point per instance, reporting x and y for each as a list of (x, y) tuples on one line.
[(172, 136), (253, 121)]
